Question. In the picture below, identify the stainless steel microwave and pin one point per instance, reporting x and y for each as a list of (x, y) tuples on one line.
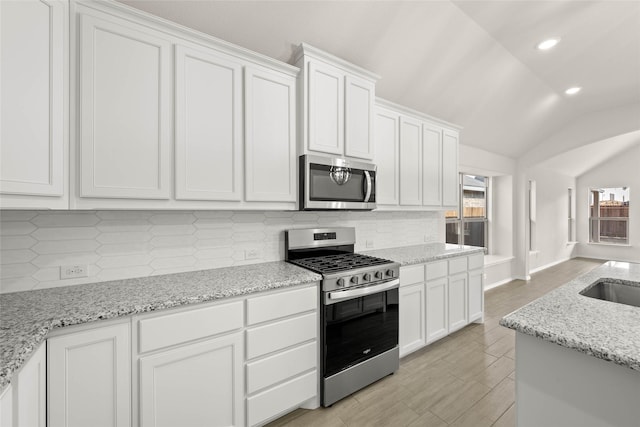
[(328, 183)]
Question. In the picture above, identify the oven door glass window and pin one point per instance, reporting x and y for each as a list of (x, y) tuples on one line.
[(325, 188), (359, 329)]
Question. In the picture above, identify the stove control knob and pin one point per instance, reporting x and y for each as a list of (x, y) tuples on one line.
[(340, 282), (379, 274), (391, 273), (354, 280), (367, 277)]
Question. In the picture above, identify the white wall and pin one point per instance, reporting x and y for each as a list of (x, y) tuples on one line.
[(551, 239), (127, 244), (622, 170)]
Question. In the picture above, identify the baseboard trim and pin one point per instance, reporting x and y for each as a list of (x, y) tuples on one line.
[(551, 264), (498, 283)]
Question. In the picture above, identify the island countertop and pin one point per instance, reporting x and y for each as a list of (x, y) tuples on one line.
[(27, 317), (603, 329)]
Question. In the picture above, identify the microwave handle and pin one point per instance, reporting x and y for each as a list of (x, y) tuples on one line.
[(367, 186)]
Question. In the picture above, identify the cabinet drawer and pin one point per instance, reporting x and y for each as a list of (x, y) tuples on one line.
[(437, 269), (266, 339), (458, 265), (279, 367), (411, 275), (476, 261), (271, 307), (177, 328), (278, 399)]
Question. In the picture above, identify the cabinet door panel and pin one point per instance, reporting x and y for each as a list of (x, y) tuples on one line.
[(450, 177), (476, 295), (359, 101), (412, 318), (125, 135), (432, 166), (208, 126), (89, 378), (270, 107), (326, 109), (32, 85), (410, 162), (437, 309), (457, 301), (387, 157), (194, 385), (32, 391)]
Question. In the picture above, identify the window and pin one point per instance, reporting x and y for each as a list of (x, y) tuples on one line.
[(570, 215), (609, 215), (473, 222)]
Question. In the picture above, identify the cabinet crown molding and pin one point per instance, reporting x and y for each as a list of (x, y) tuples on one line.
[(305, 49), (383, 103)]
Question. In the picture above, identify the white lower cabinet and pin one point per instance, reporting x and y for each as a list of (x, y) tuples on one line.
[(193, 385), (89, 377), (438, 298)]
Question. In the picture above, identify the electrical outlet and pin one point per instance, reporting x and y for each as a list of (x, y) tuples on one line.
[(73, 271), (369, 243), (426, 238), (251, 254)]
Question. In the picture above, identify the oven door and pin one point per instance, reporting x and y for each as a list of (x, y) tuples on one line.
[(359, 325), (336, 183)]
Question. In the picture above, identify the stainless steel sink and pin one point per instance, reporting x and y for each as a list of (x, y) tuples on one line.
[(621, 292)]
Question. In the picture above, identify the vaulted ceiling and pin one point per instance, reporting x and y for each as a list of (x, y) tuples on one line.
[(472, 63)]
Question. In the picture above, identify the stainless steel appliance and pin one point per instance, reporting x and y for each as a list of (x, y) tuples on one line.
[(336, 183), (359, 313)]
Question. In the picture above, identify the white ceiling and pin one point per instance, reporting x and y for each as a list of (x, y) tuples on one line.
[(472, 63)]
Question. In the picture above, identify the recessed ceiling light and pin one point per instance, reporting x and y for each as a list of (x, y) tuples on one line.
[(573, 90), (548, 44)]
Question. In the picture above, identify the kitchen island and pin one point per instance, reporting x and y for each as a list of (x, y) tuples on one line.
[(577, 357)]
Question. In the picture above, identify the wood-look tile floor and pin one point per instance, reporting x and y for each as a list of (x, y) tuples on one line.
[(465, 379)]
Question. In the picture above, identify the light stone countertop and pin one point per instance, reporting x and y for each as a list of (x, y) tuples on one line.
[(409, 255), (27, 317), (603, 329)]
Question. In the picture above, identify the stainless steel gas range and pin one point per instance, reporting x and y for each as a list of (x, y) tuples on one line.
[(359, 313)]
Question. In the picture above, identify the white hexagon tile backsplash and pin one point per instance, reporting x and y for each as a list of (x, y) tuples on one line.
[(126, 244)]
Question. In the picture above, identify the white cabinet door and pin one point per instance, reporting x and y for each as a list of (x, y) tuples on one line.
[(412, 318), (89, 378), (410, 162), (124, 110), (31, 391), (32, 82), (6, 407), (476, 295), (457, 301), (326, 108), (387, 157), (359, 117), (194, 385), (270, 136), (208, 126), (450, 177), (431, 165), (437, 309)]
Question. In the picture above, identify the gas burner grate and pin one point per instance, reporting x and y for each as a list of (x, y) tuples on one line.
[(337, 263)]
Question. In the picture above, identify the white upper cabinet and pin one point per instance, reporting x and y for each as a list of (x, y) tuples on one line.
[(450, 178), (359, 117), (337, 105), (410, 162), (431, 165), (387, 149), (33, 83), (428, 165), (270, 136), (124, 111), (208, 126)]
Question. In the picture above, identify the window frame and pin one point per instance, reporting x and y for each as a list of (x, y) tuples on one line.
[(460, 220), (598, 219)]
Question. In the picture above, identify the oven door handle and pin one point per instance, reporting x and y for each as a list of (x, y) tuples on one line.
[(354, 293), (367, 187)]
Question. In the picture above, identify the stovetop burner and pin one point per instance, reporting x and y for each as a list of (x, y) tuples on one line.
[(337, 263)]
